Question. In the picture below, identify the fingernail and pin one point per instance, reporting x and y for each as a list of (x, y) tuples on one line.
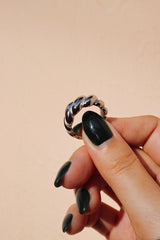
[(78, 129), (96, 128), (61, 173), (82, 199), (66, 222)]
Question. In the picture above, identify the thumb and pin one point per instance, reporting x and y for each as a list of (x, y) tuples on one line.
[(122, 170)]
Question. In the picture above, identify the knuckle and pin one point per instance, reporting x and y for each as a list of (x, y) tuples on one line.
[(123, 163)]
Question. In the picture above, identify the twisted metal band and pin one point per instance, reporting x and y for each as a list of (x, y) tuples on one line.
[(74, 107)]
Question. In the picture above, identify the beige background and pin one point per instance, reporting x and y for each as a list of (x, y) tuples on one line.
[(50, 53)]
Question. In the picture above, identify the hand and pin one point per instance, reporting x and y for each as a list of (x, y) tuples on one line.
[(121, 158)]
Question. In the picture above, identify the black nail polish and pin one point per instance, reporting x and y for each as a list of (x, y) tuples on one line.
[(66, 222), (82, 199), (61, 173), (96, 128), (78, 129)]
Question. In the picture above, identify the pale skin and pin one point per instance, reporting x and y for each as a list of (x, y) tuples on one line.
[(127, 168)]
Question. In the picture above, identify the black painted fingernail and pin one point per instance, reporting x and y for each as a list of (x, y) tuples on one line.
[(96, 128), (78, 129), (61, 173), (66, 222), (82, 199)]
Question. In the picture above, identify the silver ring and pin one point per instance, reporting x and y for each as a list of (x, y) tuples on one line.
[(74, 107)]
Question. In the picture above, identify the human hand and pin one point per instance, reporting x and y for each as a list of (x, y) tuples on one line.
[(125, 164)]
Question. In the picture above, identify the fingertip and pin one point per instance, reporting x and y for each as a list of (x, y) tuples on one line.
[(80, 170), (95, 200), (67, 221), (74, 222), (59, 178), (88, 196)]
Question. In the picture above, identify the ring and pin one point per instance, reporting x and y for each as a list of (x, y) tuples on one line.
[(74, 107)]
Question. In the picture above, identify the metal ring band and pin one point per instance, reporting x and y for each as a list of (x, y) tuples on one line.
[(74, 107)]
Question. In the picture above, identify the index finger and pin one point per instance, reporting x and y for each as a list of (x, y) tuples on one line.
[(140, 131), (76, 171)]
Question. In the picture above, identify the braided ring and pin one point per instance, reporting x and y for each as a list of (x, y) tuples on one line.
[(74, 107)]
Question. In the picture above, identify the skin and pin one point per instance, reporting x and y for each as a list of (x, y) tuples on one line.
[(127, 168)]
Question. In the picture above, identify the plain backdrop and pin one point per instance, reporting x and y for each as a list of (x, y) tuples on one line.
[(51, 52)]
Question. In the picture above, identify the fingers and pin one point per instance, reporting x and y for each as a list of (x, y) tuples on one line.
[(79, 172), (74, 222), (76, 171), (93, 188), (140, 131), (87, 183), (102, 220), (102, 185), (122, 170), (152, 168), (108, 218), (88, 197)]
